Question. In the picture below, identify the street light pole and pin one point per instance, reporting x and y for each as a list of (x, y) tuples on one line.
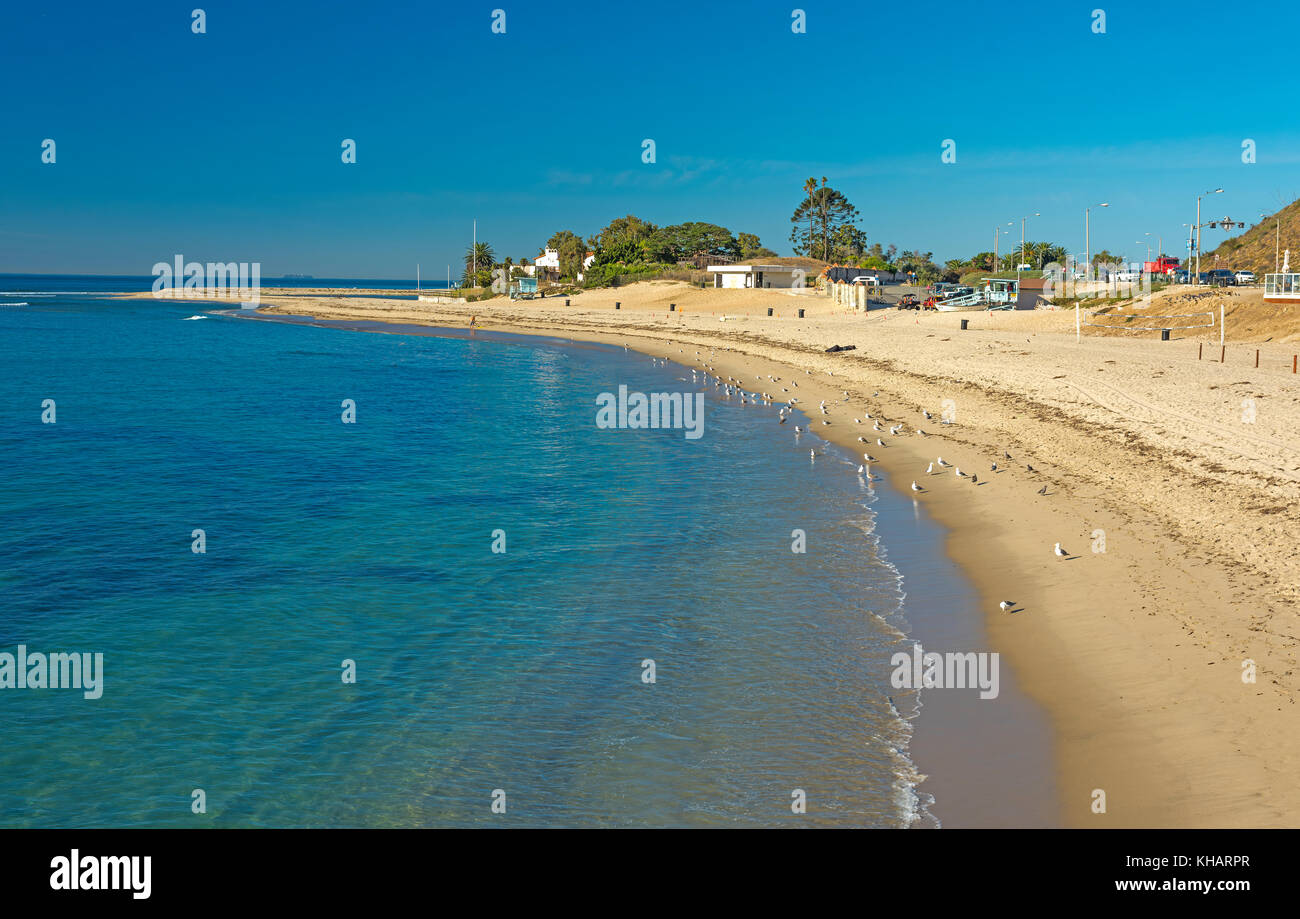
[(1217, 191), (1087, 237), (1022, 246), (1277, 240)]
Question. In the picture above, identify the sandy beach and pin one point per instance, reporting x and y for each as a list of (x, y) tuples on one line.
[(1170, 478)]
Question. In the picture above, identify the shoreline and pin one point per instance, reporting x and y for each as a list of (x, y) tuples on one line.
[(953, 749), (1135, 652)]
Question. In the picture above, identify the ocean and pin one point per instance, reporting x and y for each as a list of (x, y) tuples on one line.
[(500, 575)]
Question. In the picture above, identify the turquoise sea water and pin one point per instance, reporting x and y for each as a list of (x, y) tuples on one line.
[(372, 542)]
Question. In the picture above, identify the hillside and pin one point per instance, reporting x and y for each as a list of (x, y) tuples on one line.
[(1254, 249)]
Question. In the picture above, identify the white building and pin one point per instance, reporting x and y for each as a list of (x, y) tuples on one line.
[(754, 275), (548, 264)]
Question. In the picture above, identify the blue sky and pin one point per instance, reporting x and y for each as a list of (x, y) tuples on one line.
[(226, 146)]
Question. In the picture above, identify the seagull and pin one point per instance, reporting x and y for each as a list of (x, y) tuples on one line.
[(868, 457), (926, 414), (797, 429), (1006, 455), (1030, 468), (1043, 490), (929, 469), (942, 463), (920, 433), (1006, 605), (879, 442), (862, 440), (825, 422), (1061, 553), (915, 487), (957, 469), (857, 421), (783, 420), (995, 468), (861, 469), (974, 478)]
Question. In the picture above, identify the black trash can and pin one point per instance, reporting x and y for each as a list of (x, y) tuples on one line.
[(1164, 335), (769, 311), (801, 314), (963, 324), (672, 307)]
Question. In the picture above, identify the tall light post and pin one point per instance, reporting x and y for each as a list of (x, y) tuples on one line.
[(1022, 245), (1216, 191), (997, 235), (1148, 245), (1277, 241), (1087, 237)]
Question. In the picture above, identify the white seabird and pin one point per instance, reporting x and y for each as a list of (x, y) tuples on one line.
[(1006, 605), (915, 487), (1060, 552), (929, 469)]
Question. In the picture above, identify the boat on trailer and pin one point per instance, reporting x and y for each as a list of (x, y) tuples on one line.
[(997, 294)]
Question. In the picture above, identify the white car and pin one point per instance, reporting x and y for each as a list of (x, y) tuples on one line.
[(1245, 277)]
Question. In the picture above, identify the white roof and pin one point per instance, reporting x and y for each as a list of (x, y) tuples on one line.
[(752, 268)]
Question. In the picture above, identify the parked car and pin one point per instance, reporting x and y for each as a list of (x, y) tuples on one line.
[(1221, 277), (1245, 277), (1182, 276)]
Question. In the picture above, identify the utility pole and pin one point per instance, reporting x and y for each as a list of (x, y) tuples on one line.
[(1216, 191)]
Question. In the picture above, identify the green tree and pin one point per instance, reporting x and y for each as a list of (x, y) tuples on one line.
[(625, 240), (750, 247), (479, 257), (572, 250), (848, 243), (685, 240), (825, 210)]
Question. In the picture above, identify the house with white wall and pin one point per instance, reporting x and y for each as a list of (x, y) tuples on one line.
[(754, 276), (548, 264)]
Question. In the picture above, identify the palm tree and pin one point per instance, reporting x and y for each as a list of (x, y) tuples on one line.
[(479, 255)]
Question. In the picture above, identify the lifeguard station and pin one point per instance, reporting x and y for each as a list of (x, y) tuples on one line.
[(523, 289), (1283, 287)]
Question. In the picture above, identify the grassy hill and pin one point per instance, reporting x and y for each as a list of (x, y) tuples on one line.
[(1254, 248)]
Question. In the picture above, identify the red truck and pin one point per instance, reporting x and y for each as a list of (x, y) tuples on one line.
[(1162, 265)]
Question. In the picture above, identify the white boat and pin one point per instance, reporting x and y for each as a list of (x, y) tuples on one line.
[(998, 294)]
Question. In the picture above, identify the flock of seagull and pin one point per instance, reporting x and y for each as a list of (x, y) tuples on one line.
[(733, 386)]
